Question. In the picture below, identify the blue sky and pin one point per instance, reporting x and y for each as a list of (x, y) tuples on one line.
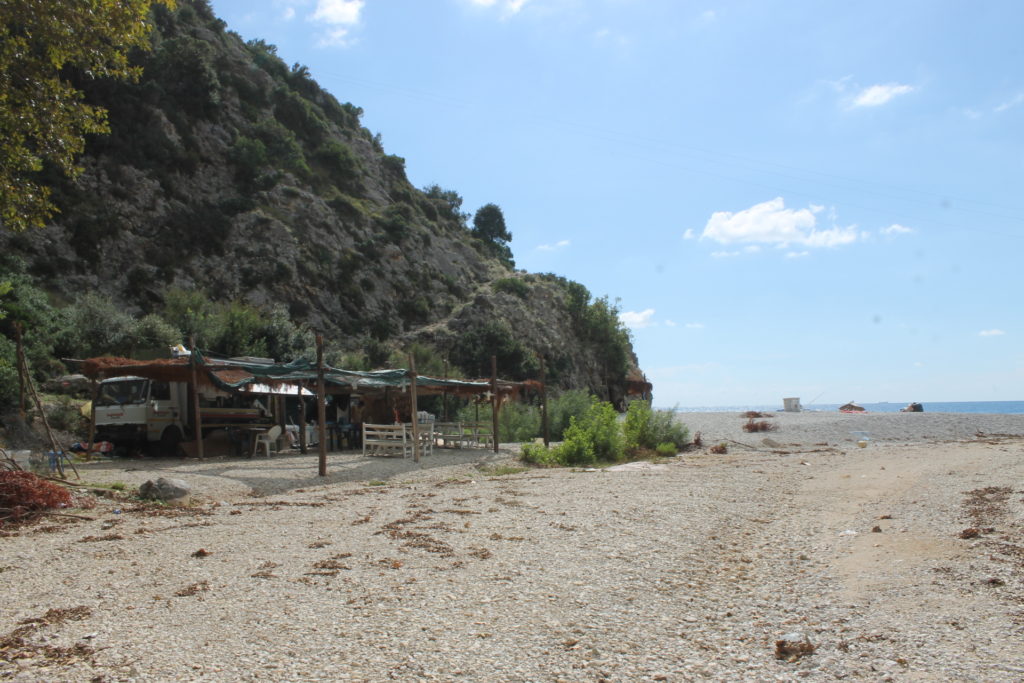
[(813, 199)]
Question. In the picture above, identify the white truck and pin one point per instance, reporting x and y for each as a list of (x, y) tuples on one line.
[(136, 412)]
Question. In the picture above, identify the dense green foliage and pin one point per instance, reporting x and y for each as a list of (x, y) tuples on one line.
[(598, 437), (489, 227), (513, 286), (520, 421), (594, 437), (495, 338), (235, 328), (648, 430), (93, 325), (45, 45)]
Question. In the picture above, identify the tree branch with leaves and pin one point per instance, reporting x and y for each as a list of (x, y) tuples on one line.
[(44, 118)]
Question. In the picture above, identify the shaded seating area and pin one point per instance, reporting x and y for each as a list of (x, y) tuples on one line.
[(463, 435), (397, 439), (363, 403)]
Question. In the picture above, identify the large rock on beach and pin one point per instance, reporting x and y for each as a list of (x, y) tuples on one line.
[(172, 491)]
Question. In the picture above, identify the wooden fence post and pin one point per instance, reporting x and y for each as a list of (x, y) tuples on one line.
[(302, 421), (197, 417), (495, 401), (544, 403), (321, 407), (415, 410)]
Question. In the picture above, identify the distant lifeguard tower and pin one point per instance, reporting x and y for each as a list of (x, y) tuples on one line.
[(791, 405)]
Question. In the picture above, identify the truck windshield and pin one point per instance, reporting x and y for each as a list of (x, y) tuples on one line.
[(123, 392)]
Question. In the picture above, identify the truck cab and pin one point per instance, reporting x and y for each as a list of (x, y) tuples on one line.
[(134, 411)]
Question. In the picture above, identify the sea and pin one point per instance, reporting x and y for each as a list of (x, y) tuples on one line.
[(993, 407)]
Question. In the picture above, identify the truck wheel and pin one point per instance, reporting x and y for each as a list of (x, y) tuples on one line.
[(169, 441)]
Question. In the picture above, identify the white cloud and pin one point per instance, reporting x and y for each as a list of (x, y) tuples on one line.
[(670, 323), (896, 229), (695, 326), (562, 244), (772, 223), (1010, 104), (724, 254), (797, 254), (877, 95), (338, 11), (689, 234), (991, 333), (636, 321), (338, 16), (289, 13), (708, 16), (508, 7)]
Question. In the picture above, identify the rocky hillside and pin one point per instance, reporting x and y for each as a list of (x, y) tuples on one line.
[(230, 173)]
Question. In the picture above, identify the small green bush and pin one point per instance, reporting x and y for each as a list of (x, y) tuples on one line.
[(65, 416), (562, 408), (590, 439), (518, 422), (513, 286), (537, 454), (637, 427), (666, 450), (647, 430)]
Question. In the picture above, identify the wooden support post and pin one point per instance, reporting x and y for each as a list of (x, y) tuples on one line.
[(544, 403), (444, 412), (197, 416), (302, 421), (495, 402), (94, 393), (321, 407), (415, 410)]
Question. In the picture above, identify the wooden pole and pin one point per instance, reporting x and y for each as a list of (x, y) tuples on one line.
[(94, 391), (415, 410), (54, 444), (321, 406), (302, 421), (494, 400), (197, 416), (544, 403), (445, 394)]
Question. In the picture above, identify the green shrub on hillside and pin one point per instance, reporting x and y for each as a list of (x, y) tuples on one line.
[(473, 350), (513, 286)]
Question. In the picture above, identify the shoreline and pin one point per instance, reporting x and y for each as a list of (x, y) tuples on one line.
[(809, 428)]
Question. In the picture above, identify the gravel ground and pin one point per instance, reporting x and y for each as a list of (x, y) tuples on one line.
[(690, 569)]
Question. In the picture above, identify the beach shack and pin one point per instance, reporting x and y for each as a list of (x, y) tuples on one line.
[(376, 409)]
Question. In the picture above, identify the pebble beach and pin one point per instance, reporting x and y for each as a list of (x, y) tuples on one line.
[(899, 560)]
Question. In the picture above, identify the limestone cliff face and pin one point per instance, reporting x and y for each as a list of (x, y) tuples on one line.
[(229, 172)]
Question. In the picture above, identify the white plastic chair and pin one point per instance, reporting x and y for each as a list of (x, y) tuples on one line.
[(266, 439)]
